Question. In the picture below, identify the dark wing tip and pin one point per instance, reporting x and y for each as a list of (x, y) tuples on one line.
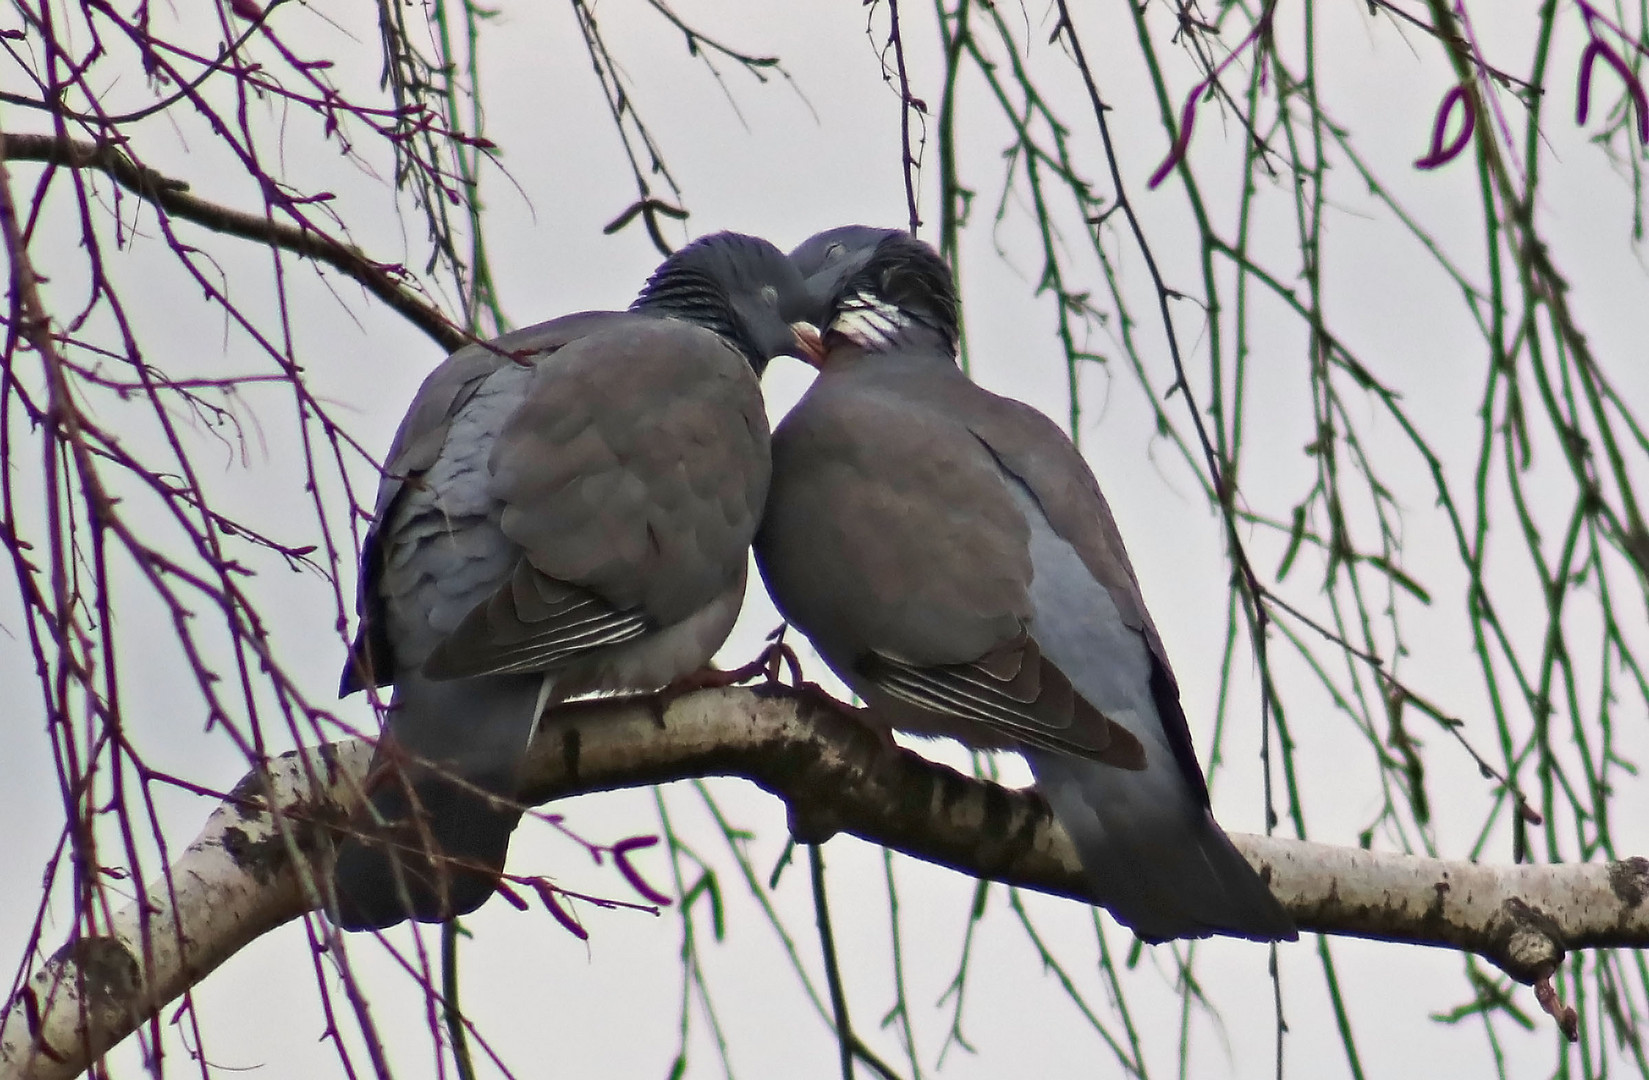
[(1122, 748), (532, 623), (1016, 691), (361, 666)]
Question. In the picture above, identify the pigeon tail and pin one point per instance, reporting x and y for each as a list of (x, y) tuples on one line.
[(430, 844), (1163, 873), (1148, 842)]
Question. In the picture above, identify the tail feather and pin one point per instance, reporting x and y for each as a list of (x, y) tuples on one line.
[(427, 847), (1163, 868), (407, 872)]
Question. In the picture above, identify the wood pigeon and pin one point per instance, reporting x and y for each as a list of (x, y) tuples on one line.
[(566, 509), (949, 554)]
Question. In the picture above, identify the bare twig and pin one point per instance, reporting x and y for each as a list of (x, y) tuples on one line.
[(386, 281)]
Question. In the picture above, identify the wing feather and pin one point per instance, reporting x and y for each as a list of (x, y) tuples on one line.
[(1036, 704)]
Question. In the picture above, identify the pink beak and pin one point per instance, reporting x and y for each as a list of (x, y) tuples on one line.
[(812, 345)]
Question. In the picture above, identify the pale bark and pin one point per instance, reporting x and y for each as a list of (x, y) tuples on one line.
[(242, 877)]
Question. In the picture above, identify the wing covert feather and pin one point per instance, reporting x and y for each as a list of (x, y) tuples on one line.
[(637, 467), (419, 442), (874, 475)]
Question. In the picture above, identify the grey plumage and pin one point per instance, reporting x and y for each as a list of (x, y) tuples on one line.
[(950, 555), (566, 509)]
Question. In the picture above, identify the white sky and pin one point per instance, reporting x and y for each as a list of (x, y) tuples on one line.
[(553, 1006)]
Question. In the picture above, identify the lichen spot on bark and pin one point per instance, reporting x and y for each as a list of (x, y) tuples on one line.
[(106, 968), (263, 857), (1629, 879)]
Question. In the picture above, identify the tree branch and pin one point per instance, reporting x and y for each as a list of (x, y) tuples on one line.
[(240, 878), (383, 280)]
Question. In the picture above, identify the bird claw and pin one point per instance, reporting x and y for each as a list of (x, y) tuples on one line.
[(775, 657)]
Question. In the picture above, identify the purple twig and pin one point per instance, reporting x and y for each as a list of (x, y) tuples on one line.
[(1441, 152), (1188, 114), (1598, 47)]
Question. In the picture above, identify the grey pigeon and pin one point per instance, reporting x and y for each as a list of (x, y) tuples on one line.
[(564, 510), (949, 554)]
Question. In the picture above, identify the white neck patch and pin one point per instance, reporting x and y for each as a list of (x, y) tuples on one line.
[(868, 321)]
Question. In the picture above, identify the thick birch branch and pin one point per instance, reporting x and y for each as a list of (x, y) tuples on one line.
[(248, 872)]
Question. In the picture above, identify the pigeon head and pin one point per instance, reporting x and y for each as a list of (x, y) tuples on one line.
[(829, 258), (739, 286), (899, 291)]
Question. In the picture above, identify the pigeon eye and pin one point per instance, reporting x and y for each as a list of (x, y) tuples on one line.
[(769, 295), (835, 249)]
